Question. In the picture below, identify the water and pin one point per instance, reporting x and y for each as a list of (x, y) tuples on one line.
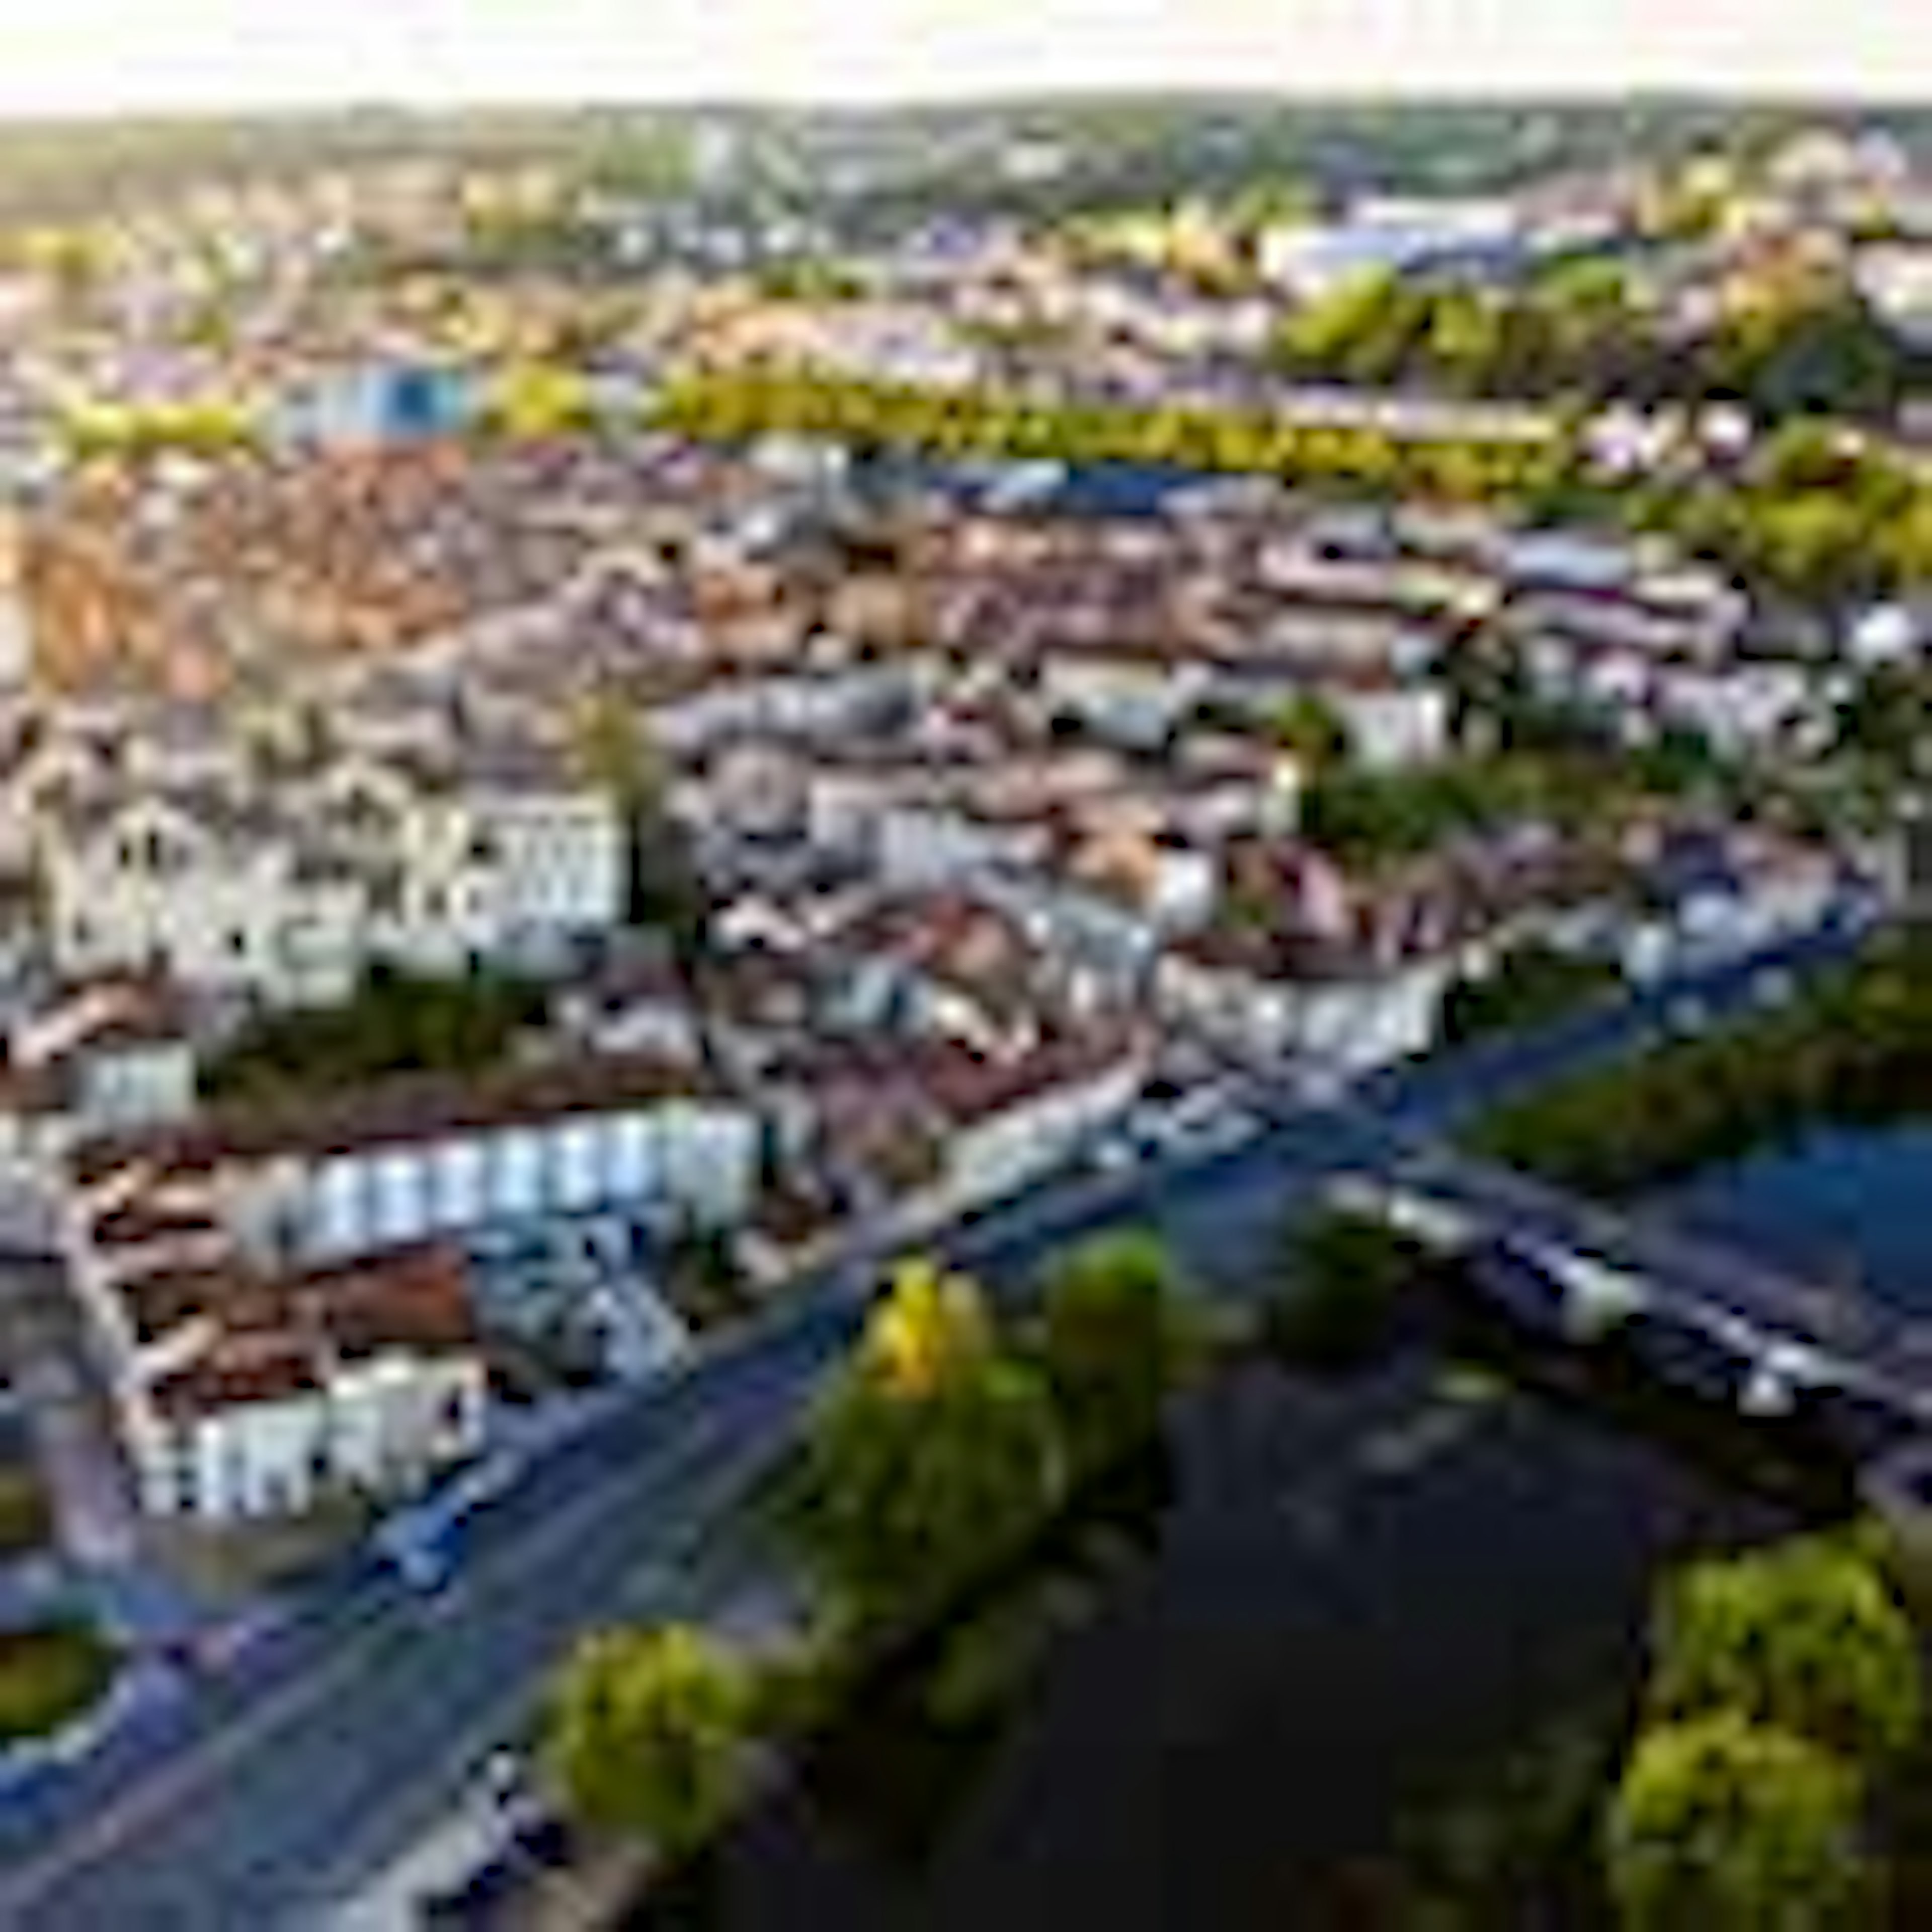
[(1357, 1590), (1839, 1202)]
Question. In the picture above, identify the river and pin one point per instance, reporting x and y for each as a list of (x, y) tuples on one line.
[(1839, 1203)]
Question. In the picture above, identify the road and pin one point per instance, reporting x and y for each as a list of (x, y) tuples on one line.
[(318, 1757)]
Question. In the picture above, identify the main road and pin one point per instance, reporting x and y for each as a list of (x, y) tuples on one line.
[(270, 1790)]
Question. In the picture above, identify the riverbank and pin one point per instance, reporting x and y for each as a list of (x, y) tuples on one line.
[(1853, 1049)]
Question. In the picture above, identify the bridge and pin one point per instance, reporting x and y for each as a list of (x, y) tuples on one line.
[(1602, 1264)]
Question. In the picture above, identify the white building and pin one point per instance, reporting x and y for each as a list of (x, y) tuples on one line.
[(1393, 727), (292, 901), (420, 1157), (365, 1382), (1008, 1124)]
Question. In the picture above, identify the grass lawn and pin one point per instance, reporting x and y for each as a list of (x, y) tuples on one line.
[(25, 1521), (48, 1676)]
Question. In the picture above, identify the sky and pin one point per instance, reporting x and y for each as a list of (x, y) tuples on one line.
[(59, 56)]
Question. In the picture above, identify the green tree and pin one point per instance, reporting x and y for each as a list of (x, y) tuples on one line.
[(1884, 719), (615, 752), (1345, 1274), (1114, 1338), (1363, 331), (1308, 726), (934, 1455), (647, 1733), (1720, 1825), (1806, 1636)]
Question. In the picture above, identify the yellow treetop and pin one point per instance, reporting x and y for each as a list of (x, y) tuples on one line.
[(929, 1326)]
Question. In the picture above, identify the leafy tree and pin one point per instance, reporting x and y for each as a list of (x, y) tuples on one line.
[(615, 752), (1720, 1825), (1805, 1637), (397, 1022), (935, 1454), (1533, 985), (1114, 1337), (49, 1673), (1856, 1046), (1905, 543), (1345, 1273), (1309, 727), (1361, 330), (1885, 718), (1812, 545), (647, 1733), (535, 400)]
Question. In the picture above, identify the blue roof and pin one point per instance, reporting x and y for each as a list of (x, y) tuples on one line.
[(1118, 489)]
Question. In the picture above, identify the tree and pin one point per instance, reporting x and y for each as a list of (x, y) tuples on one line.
[(647, 1733), (616, 753), (1720, 1825), (934, 1455), (1309, 727), (1363, 331), (397, 1022), (534, 400), (1806, 1636), (1114, 1338), (1346, 1272), (1884, 718)]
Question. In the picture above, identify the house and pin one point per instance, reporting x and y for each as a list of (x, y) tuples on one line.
[(418, 1157), (1249, 989), (201, 888), (121, 1049), (1231, 987), (1137, 702), (1741, 710), (1007, 1122), (1896, 279), (16, 621), (1392, 727), (290, 898), (1887, 633), (1173, 886), (362, 1381)]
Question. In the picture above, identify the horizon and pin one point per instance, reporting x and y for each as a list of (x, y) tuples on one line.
[(199, 59), (345, 107)]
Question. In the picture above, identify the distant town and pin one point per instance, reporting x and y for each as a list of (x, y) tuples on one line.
[(590, 739)]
